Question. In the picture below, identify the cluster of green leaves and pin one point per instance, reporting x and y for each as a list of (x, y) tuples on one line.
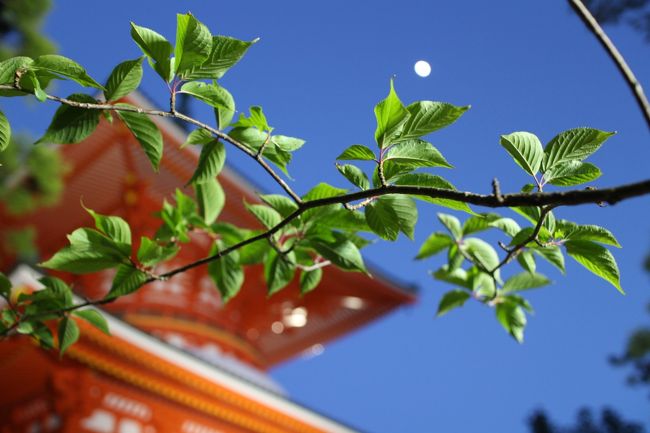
[(38, 312), (474, 266), (402, 152), (298, 236), (198, 55)]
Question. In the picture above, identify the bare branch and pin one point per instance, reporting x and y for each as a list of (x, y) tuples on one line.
[(616, 56)]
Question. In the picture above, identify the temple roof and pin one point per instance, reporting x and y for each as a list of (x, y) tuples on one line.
[(235, 393)]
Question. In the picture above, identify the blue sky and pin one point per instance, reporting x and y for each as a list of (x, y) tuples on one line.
[(318, 70)]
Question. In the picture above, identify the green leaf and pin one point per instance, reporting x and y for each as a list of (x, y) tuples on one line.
[(572, 231), (146, 132), (80, 260), (288, 144), (416, 153), (552, 254), (342, 252), (5, 286), (156, 48), (571, 173), (513, 319), (526, 149), (284, 205), (212, 94), (211, 162), (257, 119), (124, 79), (95, 318), (151, 253), (56, 288), (390, 114), (428, 116), (527, 261), (432, 181), (193, 43), (9, 67), (199, 136), (597, 259), (68, 334), (5, 132), (521, 236), (30, 81), (479, 222), (211, 199), (452, 299), (507, 225), (268, 216), (278, 271), (72, 124), (452, 224), (309, 280), (524, 281), (435, 243), (226, 272), (354, 175), (114, 227), (323, 190), (390, 214), (482, 252), (574, 144), (127, 280), (457, 277), (225, 53), (357, 152), (63, 66), (483, 285)]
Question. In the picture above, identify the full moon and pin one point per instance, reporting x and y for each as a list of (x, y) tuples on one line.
[(422, 68)]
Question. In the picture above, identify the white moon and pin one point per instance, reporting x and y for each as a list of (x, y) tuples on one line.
[(422, 68)]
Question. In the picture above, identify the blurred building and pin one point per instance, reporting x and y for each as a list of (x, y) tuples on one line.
[(178, 359)]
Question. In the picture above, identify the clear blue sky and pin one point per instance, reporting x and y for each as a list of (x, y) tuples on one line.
[(318, 71)]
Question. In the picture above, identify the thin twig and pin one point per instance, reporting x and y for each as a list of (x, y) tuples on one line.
[(512, 253), (619, 60)]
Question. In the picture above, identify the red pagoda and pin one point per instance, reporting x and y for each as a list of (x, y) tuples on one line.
[(178, 360)]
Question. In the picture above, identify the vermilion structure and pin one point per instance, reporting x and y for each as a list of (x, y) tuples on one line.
[(178, 360)]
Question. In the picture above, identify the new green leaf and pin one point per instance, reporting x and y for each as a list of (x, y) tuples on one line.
[(63, 66), (354, 175), (574, 144), (5, 132), (211, 162), (390, 114), (357, 152), (225, 53), (156, 48), (428, 116), (452, 299), (95, 318), (124, 79), (597, 259), (226, 272), (211, 199), (193, 43), (146, 132), (570, 173), (72, 124), (68, 333), (435, 243), (526, 149)]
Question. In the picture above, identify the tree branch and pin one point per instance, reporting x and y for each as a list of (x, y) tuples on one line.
[(174, 115), (615, 55)]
